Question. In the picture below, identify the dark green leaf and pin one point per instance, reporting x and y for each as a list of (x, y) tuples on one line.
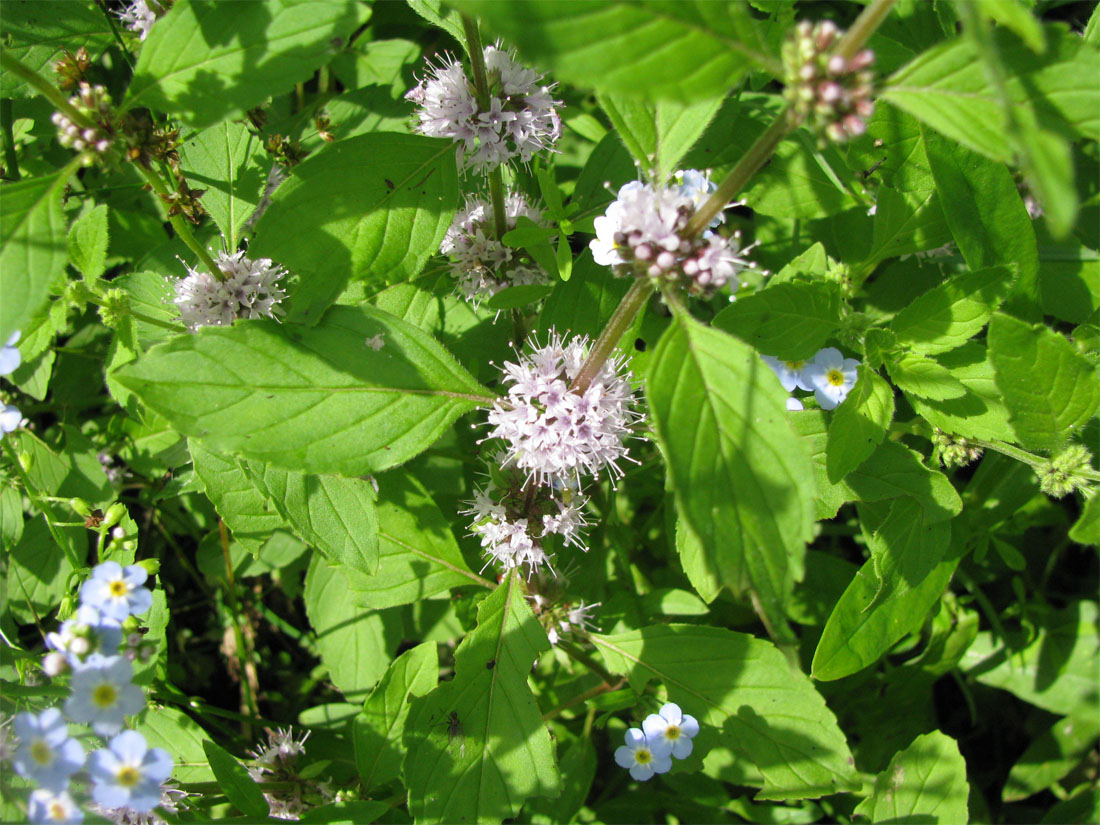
[(234, 780), (981, 412), (36, 33), (948, 315), (926, 782), (88, 242), (789, 321), (907, 222), (894, 470), (658, 134), (223, 161)]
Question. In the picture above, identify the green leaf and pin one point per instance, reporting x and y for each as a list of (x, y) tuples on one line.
[(1086, 530), (923, 377), (981, 412), (869, 618), (346, 813), (223, 161), (477, 745), (248, 513), (373, 207), (907, 222), (1015, 15), (859, 424), (32, 247), (748, 700), (332, 513), (658, 134), (584, 303), (789, 321), (88, 242), (370, 62), (1049, 388), (1056, 670), (353, 644), (740, 479), (947, 316), (206, 62), (316, 399), (182, 737), (446, 18), (906, 547), (801, 182), (235, 782), (35, 33), (418, 555), (37, 572), (521, 295), (1051, 755), (894, 470), (578, 762), (379, 729), (685, 50), (948, 88), (926, 782)]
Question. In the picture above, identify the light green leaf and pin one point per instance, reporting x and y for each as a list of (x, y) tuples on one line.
[(446, 18), (926, 782), (32, 247), (742, 482), (346, 813), (353, 644), (859, 424), (206, 61), (315, 399), (1056, 671), (182, 737), (1049, 388), (870, 618), (947, 316), (678, 50), (907, 222), (894, 470), (35, 33), (698, 568), (477, 746), (88, 242), (370, 62), (248, 513), (418, 555), (332, 513), (37, 571), (378, 731), (584, 303), (1051, 755), (789, 321), (906, 547), (923, 377), (1086, 530), (748, 700), (374, 206), (948, 88), (235, 782), (1015, 15), (981, 412), (658, 134), (801, 182), (224, 162)]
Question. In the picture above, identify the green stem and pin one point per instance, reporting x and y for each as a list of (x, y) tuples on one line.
[(48, 90), (1036, 462), (180, 225), (118, 37), (603, 687), (625, 313), (238, 634), (749, 165), (579, 656), (10, 159), (860, 32), (496, 195)]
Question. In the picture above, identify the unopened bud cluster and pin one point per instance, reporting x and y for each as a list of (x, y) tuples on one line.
[(954, 450), (95, 141), (521, 118), (642, 234), (830, 94), (71, 68), (481, 264), (1064, 473)]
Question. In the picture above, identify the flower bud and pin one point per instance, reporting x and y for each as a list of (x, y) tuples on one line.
[(114, 514)]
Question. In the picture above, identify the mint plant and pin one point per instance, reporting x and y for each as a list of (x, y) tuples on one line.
[(562, 411)]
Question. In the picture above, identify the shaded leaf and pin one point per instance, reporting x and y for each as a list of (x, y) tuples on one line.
[(926, 782)]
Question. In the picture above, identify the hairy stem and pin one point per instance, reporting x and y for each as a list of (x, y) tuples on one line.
[(860, 32), (48, 90), (625, 313), (11, 162), (1036, 462), (180, 225)]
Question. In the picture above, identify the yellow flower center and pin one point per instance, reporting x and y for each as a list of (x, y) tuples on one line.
[(835, 378), (794, 366), (118, 588), (128, 776), (58, 812), (672, 732), (642, 756), (41, 752), (104, 695)]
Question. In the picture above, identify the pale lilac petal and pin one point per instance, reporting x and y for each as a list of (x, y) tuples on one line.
[(654, 727), (643, 773), (662, 762), (129, 746), (671, 713), (624, 757), (635, 738), (681, 748), (158, 764), (689, 726)]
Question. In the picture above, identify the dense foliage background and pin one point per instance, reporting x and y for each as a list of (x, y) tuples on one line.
[(885, 611)]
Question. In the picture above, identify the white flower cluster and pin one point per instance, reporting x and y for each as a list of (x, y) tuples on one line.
[(828, 375), (516, 540), (94, 141), (522, 117), (577, 616), (553, 433), (480, 263), (10, 359), (641, 234), (126, 774), (275, 763), (663, 735), (249, 290), (140, 16)]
